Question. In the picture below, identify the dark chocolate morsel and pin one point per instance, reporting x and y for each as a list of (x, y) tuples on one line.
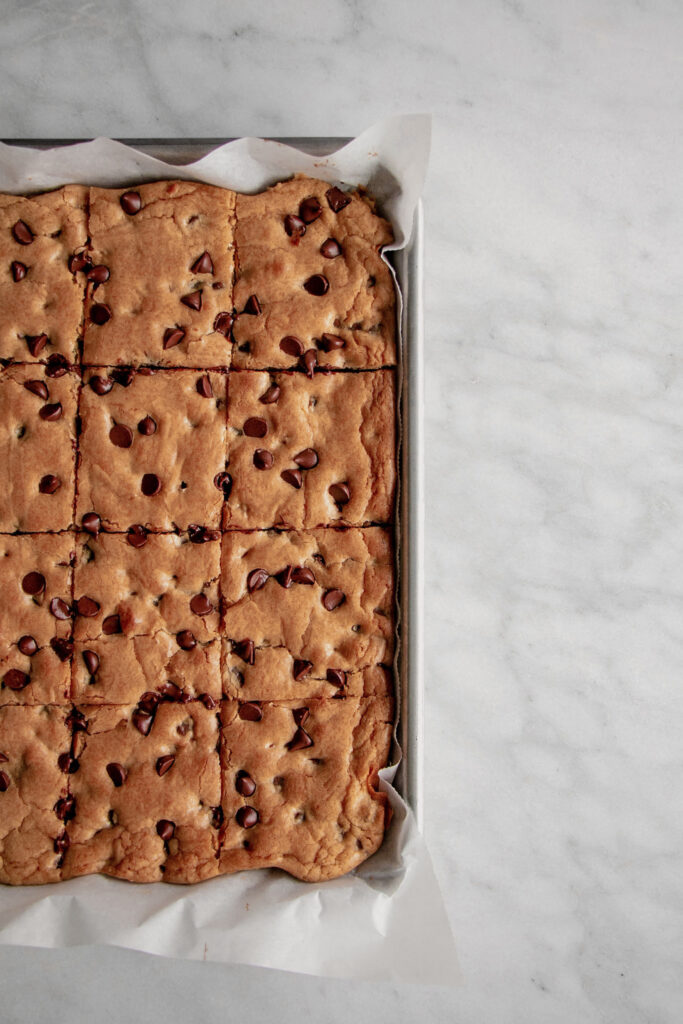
[(86, 607), (101, 385), (111, 625), (303, 575), (137, 536), (309, 210), (37, 387), (250, 711), (147, 426), (117, 773), (91, 523), (49, 484), (252, 307), (173, 336), (150, 485), (292, 477), (186, 640), (292, 346), (33, 583), (271, 395), (203, 264), (201, 605), (131, 203), (15, 679), (301, 668), (332, 599), (18, 270), (330, 249), (263, 459), (36, 343), (256, 579), (245, 649), (121, 435), (165, 829), (300, 740), (165, 763), (62, 647), (204, 386), (22, 233), (100, 313), (307, 459), (91, 661), (223, 323), (329, 342), (59, 608), (337, 199), (317, 284), (340, 493), (244, 784), (27, 645), (193, 300)]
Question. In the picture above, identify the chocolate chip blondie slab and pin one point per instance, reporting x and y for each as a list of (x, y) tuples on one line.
[(31, 786), (152, 448), (324, 595), (41, 302), (35, 618), (310, 284), (311, 451), (300, 784), (146, 801), (160, 275), (37, 448)]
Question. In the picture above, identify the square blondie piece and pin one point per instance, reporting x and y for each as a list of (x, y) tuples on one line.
[(37, 448), (168, 584), (151, 449), (272, 673), (145, 805), (167, 249), (306, 452), (31, 786), (325, 595), (121, 669), (35, 618), (41, 301), (300, 787), (316, 284)]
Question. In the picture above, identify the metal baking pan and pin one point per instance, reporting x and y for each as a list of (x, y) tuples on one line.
[(410, 532)]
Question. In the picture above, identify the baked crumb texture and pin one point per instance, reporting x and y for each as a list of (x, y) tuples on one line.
[(197, 424)]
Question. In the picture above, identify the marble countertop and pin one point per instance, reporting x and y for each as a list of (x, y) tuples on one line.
[(554, 639)]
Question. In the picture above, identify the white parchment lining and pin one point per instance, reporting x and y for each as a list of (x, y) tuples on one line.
[(387, 920)]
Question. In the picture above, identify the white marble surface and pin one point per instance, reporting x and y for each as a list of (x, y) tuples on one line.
[(554, 643)]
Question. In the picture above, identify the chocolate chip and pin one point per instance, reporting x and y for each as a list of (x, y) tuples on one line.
[(292, 346), (147, 427), (200, 534), (76, 720), (301, 668), (186, 640), (62, 843), (332, 599), (250, 711), (137, 536), (173, 336), (91, 523), (271, 395), (317, 284), (4, 782), (307, 459), (223, 323), (207, 700), (27, 645), (78, 262), (329, 342), (150, 484), (149, 701), (223, 481), (22, 233), (204, 386), (37, 387), (300, 715), (33, 583), (303, 575), (284, 577), (165, 763), (202, 265), (143, 721), (256, 579), (131, 203), (244, 784), (100, 313), (117, 773), (245, 649), (60, 609), (293, 477), (36, 343), (201, 605), (63, 648), (16, 680), (309, 361), (309, 210), (247, 816), (65, 808), (92, 661), (124, 375), (337, 199), (340, 493), (294, 227), (193, 300), (300, 740), (51, 412), (217, 817), (57, 365), (336, 676), (86, 607), (67, 763), (111, 625), (49, 484), (165, 829), (18, 270), (98, 274), (121, 435), (330, 249), (169, 690), (252, 307), (101, 385), (263, 459)]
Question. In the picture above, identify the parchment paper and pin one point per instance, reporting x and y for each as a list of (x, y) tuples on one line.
[(387, 920)]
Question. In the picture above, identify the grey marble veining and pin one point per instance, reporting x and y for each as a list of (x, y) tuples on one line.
[(554, 642)]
